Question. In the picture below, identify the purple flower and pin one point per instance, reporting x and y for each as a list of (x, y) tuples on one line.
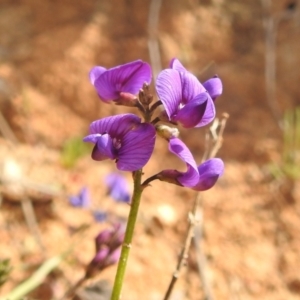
[(188, 178), (82, 199), (108, 250), (111, 238), (100, 215), (128, 78), (118, 187), (123, 138), (199, 178), (185, 99)]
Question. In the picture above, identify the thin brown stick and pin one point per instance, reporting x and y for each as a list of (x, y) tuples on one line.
[(30, 218), (153, 44), (200, 255), (215, 143), (219, 136), (184, 252), (214, 139), (73, 289)]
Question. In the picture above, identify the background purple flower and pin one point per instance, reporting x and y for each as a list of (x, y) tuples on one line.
[(108, 250), (82, 199), (118, 187), (127, 78), (99, 215), (123, 138)]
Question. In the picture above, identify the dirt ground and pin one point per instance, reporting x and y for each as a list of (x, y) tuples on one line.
[(251, 221)]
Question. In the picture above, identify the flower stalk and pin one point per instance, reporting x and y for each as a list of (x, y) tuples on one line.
[(135, 203)]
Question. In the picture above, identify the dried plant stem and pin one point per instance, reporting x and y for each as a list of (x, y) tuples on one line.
[(153, 45), (71, 292), (218, 140), (184, 252), (271, 23), (200, 255), (31, 221), (135, 203), (6, 130), (213, 143)]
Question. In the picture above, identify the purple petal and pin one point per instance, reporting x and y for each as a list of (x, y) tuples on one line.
[(209, 114), (141, 73), (127, 78), (118, 187), (191, 176), (95, 73), (192, 113), (137, 147), (209, 172), (214, 87), (113, 257), (169, 90), (101, 257), (191, 87), (176, 65), (92, 138), (115, 126), (104, 149)]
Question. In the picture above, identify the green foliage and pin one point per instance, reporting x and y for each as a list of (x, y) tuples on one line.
[(73, 149), (290, 160), (5, 269)]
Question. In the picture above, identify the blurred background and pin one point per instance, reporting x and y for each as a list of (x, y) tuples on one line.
[(251, 218)]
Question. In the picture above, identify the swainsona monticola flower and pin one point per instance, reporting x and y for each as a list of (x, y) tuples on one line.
[(185, 99), (118, 187), (128, 78), (199, 178), (122, 138)]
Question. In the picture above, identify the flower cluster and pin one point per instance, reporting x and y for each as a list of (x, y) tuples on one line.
[(130, 141)]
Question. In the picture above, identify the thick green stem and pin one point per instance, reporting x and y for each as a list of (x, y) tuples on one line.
[(135, 202)]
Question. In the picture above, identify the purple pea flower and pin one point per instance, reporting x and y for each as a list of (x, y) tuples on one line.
[(128, 78), (118, 187), (82, 199), (108, 250), (123, 138), (199, 178), (185, 99)]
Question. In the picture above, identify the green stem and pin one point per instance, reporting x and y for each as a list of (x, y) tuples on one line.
[(35, 280), (135, 202)]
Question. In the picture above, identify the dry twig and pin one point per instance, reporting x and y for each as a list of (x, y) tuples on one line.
[(271, 23), (214, 139), (153, 44)]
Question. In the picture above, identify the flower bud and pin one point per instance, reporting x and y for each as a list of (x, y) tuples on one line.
[(103, 238), (167, 132)]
